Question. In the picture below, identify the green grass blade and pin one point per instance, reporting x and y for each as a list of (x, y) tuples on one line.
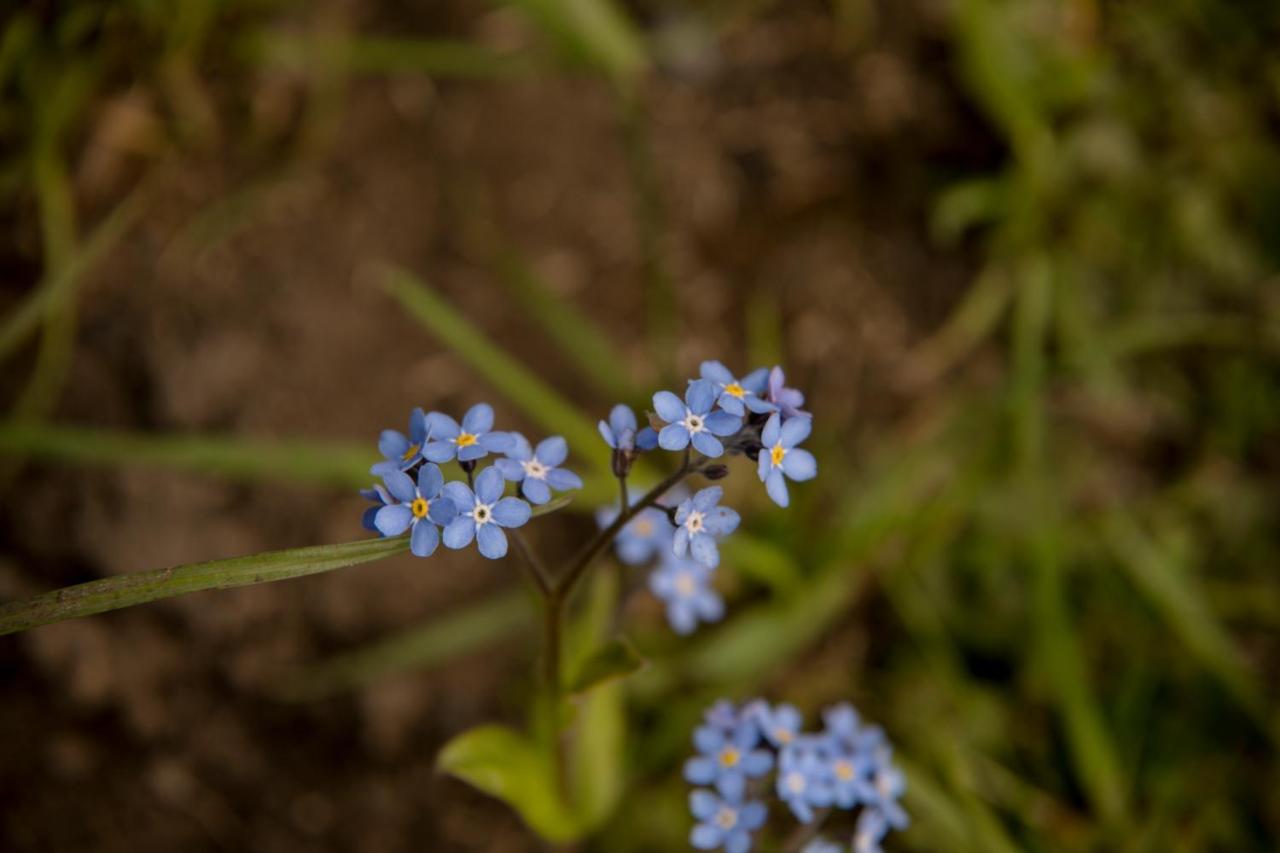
[(577, 335), (438, 641), (113, 593), (514, 380), (593, 32), (341, 465)]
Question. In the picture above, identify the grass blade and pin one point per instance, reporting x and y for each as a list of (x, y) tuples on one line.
[(594, 32), (341, 465), (113, 593)]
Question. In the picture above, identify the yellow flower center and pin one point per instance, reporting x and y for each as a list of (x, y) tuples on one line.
[(420, 507), (465, 439), (844, 771), (727, 818), (730, 757), (782, 735), (411, 452), (642, 527), (776, 454), (735, 389), (685, 585)]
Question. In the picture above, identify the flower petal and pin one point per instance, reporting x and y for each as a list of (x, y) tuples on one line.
[(439, 451), (442, 510), (443, 427), (489, 485), (701, 396), (472, 452), (703, 549), (511, 469), (461, 495), (731, 405), (647, 438), (606, 432), (723, 423), (737, 841), (721, 521), (492, 541), (668, 406), (702, 803), (552, 451), (681, 616), (795, 430), (776, 485), (537, 491), (425, 539), (759, 405), (757, 381), (562, 479), (497, 442), (706, 498), (799, 464), (772, 428), (400, 485), (478, 419), (704, 836), (680, 543), (673, 437), (511, 512), (707, 444), (716, 372), (393, 520), (430, 480), (418, 426), (366, 520), (392, 444), (621, 417), (520, 447), (459, 533)]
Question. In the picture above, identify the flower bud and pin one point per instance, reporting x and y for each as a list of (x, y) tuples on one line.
[(715, 472)]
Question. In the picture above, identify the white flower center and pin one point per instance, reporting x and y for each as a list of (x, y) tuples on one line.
[(694, 423), (483, 513), (685, 585), (795, 782), (535, 469), (726, 818), (694, 522)]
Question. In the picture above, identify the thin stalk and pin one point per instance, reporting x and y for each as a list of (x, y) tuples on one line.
[(622, 494), (536, 571), (805, 832)]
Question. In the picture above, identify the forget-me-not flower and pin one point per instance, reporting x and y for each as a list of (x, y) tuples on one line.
[(780, 456), (685, 586), (724, 822), (620, 432), (802, 781), (727, 757), (483, 513), (698, 522), (780, 724), (787, 400), (420, 506), (737, 396), (380, 497), (644, 537), (691, 419), (537, 469), (871, 830), (822, 844), (471, 440), (887, 785), (402, 451)]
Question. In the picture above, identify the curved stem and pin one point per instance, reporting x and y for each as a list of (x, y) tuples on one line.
[(533, 566)]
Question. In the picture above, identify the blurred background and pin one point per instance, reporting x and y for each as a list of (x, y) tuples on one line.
[(1021, 256)]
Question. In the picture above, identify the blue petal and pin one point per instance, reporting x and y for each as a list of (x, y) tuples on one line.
[(439, 451), (759, 405), (795, 430), (459, 533), (703, 549), (705, 836), (756, 381), (680, 543), (492, 541), (776, 485), (497, 442), (366, 520), (424, 539), (621, 417), (681, 617), (757, 762), (511, 469), (737, 842), (721, 521), (710, 607), (708, 739), (668, 406), (430, 481), (417, 426), (606, 432), (443, 427), (478, 419), (701, 396), (799, 464), (520, 447), (647, 438), (706, 498), (400, 485), (763, 465), (442, 510), (392, 444), (537, 491), (382, 469), (731, 405), (489, 485), (552, 451), (511, 512), (472, 452), (707, 444), (661, 583), (772, 428), (702, 803), (461, 495), (732, 786), (700, 770), (393, 520), (716, 372), (673, 437), (562, 479)]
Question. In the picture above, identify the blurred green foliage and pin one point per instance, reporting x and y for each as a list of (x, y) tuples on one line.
[(1061, 575)]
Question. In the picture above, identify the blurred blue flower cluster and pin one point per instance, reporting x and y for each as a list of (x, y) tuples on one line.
[(846, 766), (414, 496), (756, 416)]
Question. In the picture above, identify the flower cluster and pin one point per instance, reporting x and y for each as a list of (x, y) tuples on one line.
[(756, 416), (414, 496), (846, 766)]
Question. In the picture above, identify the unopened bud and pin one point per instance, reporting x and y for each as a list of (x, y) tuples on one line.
[(715, 472)]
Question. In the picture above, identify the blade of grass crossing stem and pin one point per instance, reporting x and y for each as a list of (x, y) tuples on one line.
[(113, 593), (341, 465), (439, 640), (1056, 640), (576, 334), (508, 376)]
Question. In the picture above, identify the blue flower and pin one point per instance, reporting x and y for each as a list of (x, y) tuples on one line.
[(871, 830), (724, 821), (685, 586), (780, 456), (787, 400), (802, 778), (620, 431), (823, 845), (738, 395), (380, 497), (472, 440), (402, 451), (780, 725), (845, 728), (887, 785), (693, 420), (536, 470), (644, 537), (483, 513), (420, 506), (847, 772), (723, 714), (727, 757), (698, 522)]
